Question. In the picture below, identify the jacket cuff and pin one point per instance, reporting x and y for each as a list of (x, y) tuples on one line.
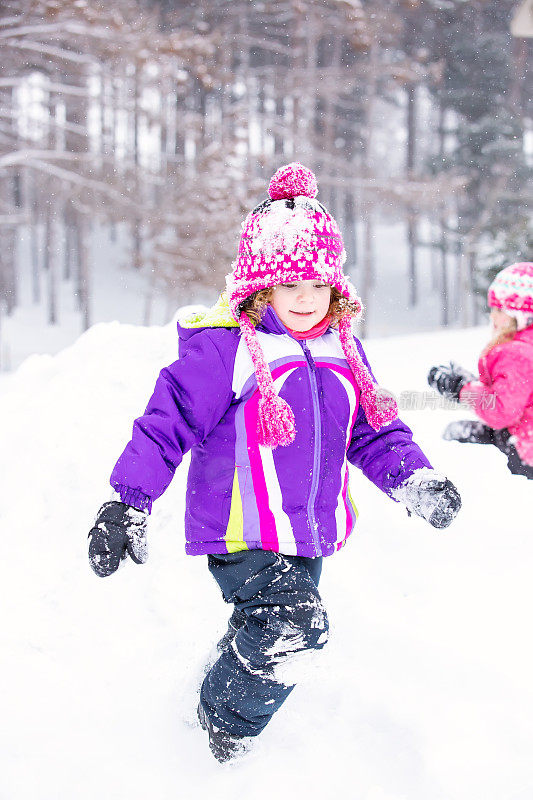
[(134, 497), (400, 478)]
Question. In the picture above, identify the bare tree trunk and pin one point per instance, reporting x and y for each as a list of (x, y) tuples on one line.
[(101, 116), (350, 235), (148, 299), (368, 262), (84, 283), (79, 283), (35, 248), (46, 241), (443, 245), (464, 290), (367, 207), (472, 264), (433, 255), (137, 222), (164, 95), (8, 235), (8, 282), (8, 276), (67, 242), (519, 62), (458, 276), (445, 319), (116, 81), (411, 242), (410, 164), (53, 246), (242, 115), (137, 243)]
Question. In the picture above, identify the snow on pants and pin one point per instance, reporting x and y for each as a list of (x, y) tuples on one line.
[(284, 618)]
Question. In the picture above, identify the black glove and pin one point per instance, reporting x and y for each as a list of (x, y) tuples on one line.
[(431, 496), (449, 379), (468, 430), (118, 530)]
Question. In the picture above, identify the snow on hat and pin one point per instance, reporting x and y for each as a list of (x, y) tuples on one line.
[(512, 292), (289, 237), (292, 237)]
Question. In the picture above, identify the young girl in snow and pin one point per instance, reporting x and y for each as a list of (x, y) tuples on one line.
[(502, 397), (274, 397)]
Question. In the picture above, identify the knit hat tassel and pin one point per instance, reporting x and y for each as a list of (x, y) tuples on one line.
[(275, 423), (379, 406)]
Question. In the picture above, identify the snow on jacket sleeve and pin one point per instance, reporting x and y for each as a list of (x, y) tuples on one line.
[(503, 402), (189, 399), (387, 457)]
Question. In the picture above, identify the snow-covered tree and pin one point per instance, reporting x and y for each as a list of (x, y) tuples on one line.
[(482, 133), (79, 81)]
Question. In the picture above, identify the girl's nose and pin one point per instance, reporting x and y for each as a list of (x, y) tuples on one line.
[(303, 293)]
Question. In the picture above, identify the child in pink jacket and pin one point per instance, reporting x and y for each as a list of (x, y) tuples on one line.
[(502, 397)]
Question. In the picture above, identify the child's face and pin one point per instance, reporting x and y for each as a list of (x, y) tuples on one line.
[(301, 305), (500, 320)]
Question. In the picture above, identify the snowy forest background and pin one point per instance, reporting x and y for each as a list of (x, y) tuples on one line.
[(133, 140), (135, 136)]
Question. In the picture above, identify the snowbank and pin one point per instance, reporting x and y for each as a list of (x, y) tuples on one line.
[(423, 693)]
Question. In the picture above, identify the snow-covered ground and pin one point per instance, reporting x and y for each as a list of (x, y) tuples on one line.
[(424, 691)]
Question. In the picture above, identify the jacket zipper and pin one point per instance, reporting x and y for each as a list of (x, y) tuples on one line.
[(317, 446)]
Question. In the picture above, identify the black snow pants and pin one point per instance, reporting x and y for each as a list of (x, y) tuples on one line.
[(278, 617)]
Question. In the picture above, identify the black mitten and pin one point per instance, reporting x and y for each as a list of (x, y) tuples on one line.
[(449, 379), (468, 430), (431, 496), (119, 530)]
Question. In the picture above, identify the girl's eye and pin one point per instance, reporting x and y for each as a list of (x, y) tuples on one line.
[(289, 285), (321, 285)]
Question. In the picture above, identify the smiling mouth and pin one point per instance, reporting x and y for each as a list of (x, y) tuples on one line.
[(303, 313)]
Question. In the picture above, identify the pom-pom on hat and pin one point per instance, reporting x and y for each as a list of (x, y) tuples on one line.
[(291, 237), (512, 292), (292, 180)]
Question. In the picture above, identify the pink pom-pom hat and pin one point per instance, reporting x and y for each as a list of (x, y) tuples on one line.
[(512, 292), (292, 237), (289, 237)]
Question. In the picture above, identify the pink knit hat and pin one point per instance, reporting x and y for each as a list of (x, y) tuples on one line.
[(291, 237), (512, 292)]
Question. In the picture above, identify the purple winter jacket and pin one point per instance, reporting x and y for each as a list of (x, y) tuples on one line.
[(294, 499)]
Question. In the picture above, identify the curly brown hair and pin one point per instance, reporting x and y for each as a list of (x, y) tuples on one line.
[(256, 304)]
